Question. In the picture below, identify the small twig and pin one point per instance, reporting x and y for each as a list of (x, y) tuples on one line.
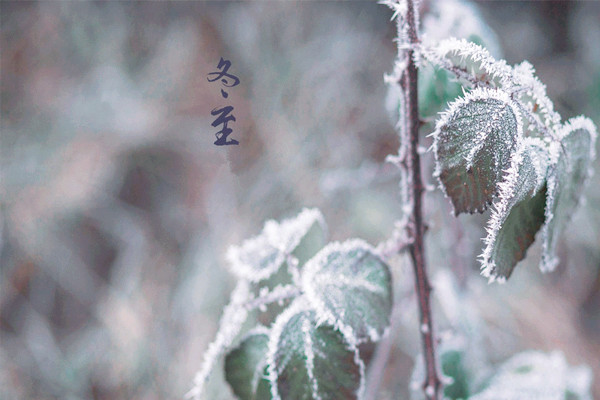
[(234, 316), (397, 243), (279, 293)]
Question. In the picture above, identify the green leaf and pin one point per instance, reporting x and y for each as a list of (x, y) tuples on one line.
[(350, 286), (262, 256), (516, 235), (437, 87), (565, 183), (518, 213), (246, 368), (453, 367), (475, 67), (474, 142), (308, 360)]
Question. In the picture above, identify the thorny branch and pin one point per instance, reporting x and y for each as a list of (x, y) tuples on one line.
[(412, 192)]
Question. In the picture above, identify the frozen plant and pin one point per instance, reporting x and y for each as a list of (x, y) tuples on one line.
[(499, 143), (336, 298)]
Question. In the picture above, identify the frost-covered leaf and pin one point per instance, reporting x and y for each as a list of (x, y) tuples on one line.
[(473, 144), (518, 213), (531, 94), (309, 361), (470, 63), (565, 182), (261, 256), (288, 234), (246, 367), (256, 259), (475, 67), (350, 286), (535, 375)]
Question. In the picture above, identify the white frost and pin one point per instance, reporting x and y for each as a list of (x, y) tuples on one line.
[(452, 53), (549, 258), (310, 358), (315, 281), (475, 66), (261, 256), (300, 305), (231, 322), (537, 153), (455, 107)]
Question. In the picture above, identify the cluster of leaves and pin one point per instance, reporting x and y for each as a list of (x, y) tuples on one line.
[(336, 300), (503, 143)]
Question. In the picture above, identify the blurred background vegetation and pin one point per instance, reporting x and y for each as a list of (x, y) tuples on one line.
[(117, 208)]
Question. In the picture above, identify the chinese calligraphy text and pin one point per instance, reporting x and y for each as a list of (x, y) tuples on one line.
[(224, 113)]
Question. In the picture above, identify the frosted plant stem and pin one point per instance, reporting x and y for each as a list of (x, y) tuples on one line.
[(233, 317), (278, 294), (413, 193)]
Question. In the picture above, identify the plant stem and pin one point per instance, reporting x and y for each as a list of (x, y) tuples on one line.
[(409, 160)]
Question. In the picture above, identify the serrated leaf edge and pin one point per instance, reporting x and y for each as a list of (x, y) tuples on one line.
[(234, 315), (438, 55), (301, 305), (549, 261), (258, 369), (502, 206), (524, 76), (270, 236), (246, 270), (446, 116), (515, 80)]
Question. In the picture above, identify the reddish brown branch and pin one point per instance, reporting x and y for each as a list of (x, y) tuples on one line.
[(410, 161)]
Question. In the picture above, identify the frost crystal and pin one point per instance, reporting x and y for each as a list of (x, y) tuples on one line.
[(566, 181), (233, 317), (401, 13), (475, 67), (474, 141), (531, 93), (246, 364), (350, 287), (517, 215), (469, 62), (301, 353), (261, 256), (278, 294)]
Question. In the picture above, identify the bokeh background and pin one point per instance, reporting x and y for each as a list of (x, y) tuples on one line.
[(117, 208)]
